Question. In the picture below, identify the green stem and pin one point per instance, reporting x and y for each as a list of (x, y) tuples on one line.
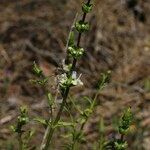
[(50, 129), (20, 141), (83, 124)]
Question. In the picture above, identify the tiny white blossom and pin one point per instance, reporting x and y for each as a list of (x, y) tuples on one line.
[(76, 81)]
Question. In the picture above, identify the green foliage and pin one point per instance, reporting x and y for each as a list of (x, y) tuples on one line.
[(50, 99), (86, 8), (125, 121), (23, 136), (71, 39), (120, 145), (40, 81), (37, 70), (124, 128), (42, 121), (22, 120), (104, 79)]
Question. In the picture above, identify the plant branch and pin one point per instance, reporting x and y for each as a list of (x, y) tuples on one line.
[(50, 129)]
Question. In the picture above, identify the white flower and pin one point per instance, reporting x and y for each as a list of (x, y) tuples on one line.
[(76, 81)]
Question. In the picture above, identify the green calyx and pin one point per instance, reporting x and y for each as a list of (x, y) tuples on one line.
[(86, 8), (82, 26), (75, 52)]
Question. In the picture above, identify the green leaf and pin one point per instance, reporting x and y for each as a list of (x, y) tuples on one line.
[(36, 69), (62, 123), (71, 39), (104, 79), (50, 99), (125, 121), (40, 82), (42, 121)]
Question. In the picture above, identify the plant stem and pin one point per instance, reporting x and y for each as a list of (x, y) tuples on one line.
[(20, 141), (50, 129), (122, 137)]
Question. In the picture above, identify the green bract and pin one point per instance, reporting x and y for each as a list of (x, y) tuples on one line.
[(86, 8), (75, 52), (82, 26)]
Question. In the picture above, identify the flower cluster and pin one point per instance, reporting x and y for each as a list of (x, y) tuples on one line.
[(82, 26), (75, 52), (65, 81)]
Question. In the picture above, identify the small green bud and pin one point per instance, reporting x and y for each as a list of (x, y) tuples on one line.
[(36, 69), (86, 8), (82, 26), (120, 145), (75, 52)]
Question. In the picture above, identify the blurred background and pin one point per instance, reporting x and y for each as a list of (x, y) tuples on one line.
[(118, 40)]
